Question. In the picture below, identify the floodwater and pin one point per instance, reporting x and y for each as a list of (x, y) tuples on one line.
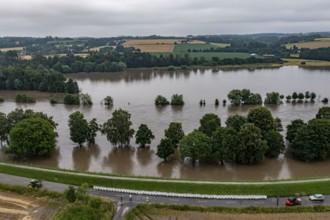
[(135, 91)]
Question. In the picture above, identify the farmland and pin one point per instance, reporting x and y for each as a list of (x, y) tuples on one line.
[(317, 43), (11, 48), (13, 206), (184, 48), (152, 45)]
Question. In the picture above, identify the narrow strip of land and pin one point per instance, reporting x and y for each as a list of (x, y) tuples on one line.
[(169, 180)]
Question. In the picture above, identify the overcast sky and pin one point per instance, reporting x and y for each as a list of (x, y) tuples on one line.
[(102, 18)]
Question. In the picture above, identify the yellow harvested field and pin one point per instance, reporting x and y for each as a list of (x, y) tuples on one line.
[(155, 47), (17, 207), (310, 63), (29, 57), (150, 42), (25, 57), (98, 48), (11, 48), (318, 43), (180, 215)]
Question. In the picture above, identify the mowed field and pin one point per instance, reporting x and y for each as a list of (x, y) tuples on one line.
[(15, 207), (152, 45), (11, 48), (170, 45), (318, 43)]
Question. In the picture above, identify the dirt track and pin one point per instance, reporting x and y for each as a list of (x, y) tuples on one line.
[(17, 207)]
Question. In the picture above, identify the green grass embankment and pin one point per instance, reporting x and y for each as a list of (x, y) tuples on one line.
[(285, 189)]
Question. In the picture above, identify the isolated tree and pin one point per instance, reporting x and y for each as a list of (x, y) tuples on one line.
[(278, 123), (209, 123), (196, 145), (262, 118), (144, 135), (275, 143), (324, 112), (32, 137), (165, 148), (312, 141), (161, 100), (177, 99), (79, 130), (118, 128), (313, 96), (236, 121), (307, 95), (216, 102), (174, 132), (93, 128), (86, 99), (292, 129), (251, 148), (108, 101)]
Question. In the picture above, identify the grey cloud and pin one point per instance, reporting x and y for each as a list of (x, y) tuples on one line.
[(142, 17)]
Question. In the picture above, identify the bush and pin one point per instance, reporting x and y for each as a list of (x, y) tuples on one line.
[(71, 100), (177, 100), (1, 99), (161, 100), (24, 98), (325, 100), (53, 101), (70, 194)]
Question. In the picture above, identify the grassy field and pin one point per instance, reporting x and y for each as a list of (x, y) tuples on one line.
[(180, 212), (309, 63), (285, 189), (317, 43)]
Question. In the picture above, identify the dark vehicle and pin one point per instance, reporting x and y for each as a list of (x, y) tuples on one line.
[(35, 183), (292, 201)]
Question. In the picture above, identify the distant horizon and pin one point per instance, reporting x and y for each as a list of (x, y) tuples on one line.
[(176, 36)]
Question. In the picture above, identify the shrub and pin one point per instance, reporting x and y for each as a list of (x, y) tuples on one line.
[(1, 99), (71, 100), (24, 98), (70, 194), (177, 100), (161, 100)]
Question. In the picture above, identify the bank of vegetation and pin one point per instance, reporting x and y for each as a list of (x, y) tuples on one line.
[(195, 212), (74, 203)]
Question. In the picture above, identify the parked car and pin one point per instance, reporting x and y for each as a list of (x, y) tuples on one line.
[(316, 197), (35, 183), (292, 201)]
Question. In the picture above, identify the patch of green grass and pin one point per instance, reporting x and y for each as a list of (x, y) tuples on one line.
[(286, 189), (159, 209)]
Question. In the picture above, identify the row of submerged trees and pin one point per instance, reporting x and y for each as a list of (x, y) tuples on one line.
[(246, 97), (243, 139)]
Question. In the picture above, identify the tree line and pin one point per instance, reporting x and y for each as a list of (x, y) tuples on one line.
[(36, 79)]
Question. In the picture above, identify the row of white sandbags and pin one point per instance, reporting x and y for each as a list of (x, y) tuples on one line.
[(182, 195)]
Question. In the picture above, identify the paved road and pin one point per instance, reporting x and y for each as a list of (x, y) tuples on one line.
[(124, 204)]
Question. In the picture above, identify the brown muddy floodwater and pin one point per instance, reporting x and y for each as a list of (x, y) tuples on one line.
[(135, 91)]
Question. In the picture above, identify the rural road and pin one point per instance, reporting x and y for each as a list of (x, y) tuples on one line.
[(123, 203)]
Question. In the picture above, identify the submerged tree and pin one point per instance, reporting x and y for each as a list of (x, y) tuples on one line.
[(79, 129), (118, 128), (174, 132), (165, 148), (144, 135)]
